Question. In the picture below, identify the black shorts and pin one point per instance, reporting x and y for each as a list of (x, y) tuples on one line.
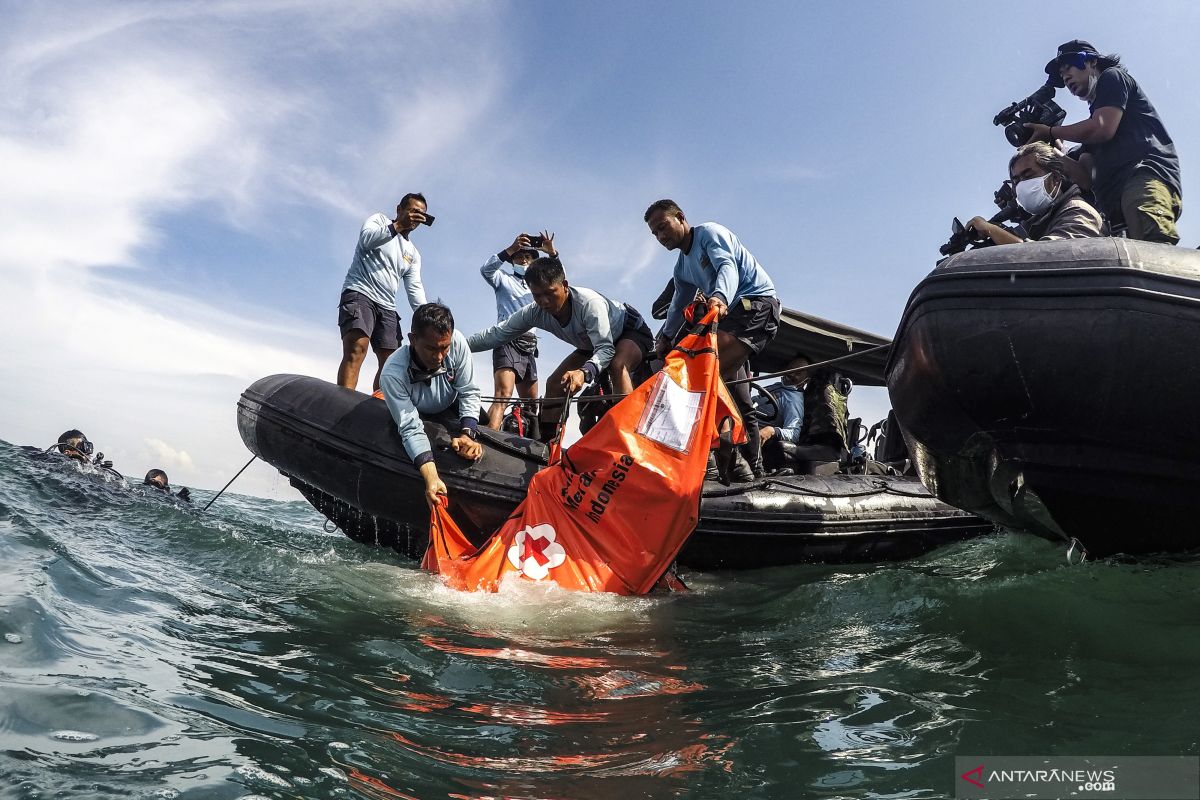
[(519, 356), (358, 312), (637, 331), (753, 320)]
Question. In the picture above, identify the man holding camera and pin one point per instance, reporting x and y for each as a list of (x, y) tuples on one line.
[(1059, 212), (1128, 159), (383, 258), (514, 364)]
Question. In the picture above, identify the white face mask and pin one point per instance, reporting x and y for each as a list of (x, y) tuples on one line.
[(1032, 195), (1091, 89), (518, 270)]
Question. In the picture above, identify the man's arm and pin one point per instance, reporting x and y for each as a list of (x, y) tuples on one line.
[(408, 421), (491, 270), (594, 316), (1112, 98), (726, 280), (684, 293), (377, 231), (413, 286), (997, 234), (521, 321)]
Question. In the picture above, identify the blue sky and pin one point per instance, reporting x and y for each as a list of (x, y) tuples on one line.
[(184, 182)]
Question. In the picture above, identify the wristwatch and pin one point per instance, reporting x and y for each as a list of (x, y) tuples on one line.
[(472, 433)]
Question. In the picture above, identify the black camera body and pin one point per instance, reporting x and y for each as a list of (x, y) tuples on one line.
[(962, 237), (1038, 107)]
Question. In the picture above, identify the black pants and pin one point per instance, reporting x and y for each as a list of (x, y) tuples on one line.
[(752, 449)]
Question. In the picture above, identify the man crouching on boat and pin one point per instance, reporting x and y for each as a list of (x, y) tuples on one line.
[(428, 374), (607, 334), (1057, 208)]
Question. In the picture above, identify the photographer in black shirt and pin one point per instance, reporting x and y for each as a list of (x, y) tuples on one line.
[(1127, 160)]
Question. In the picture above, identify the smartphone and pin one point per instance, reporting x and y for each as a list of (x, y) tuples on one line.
[(537, 241), (428, 219)]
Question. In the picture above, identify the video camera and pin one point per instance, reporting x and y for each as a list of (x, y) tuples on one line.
[(962, 237), (1038, 107)]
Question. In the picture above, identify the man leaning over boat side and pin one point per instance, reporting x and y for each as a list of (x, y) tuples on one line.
[(1059, 210), (430, 373), (715, 263), (384, 257), (1128, 159), (514, 365), (607, 334)]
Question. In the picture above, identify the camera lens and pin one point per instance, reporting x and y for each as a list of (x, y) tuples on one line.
[(1017, 134)]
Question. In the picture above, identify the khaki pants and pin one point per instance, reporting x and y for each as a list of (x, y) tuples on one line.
[(1150, 209)]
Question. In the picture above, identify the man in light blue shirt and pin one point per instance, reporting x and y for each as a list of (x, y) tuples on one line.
[(608, 335), (714, 265), (433, 371), (384, 257), (788, 423), (514, 364)]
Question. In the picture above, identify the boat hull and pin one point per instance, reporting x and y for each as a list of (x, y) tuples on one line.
[(340, 449), (1049, 387)]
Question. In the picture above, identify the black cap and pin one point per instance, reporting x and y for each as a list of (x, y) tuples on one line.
[(1065, 50), (531, 251)]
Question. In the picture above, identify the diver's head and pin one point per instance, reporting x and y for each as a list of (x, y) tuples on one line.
[(74, 444), (158, 479)]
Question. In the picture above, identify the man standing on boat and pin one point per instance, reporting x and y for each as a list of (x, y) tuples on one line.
[(1058, 209), (383, 258), (428, 375), (1128, 159), (514, 365), (715, 263), (609, 335)]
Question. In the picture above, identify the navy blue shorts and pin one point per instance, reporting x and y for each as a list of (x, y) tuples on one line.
[(358, 312), (519, 356)]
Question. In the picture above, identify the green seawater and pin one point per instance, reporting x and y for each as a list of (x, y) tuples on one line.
[(147, 650)]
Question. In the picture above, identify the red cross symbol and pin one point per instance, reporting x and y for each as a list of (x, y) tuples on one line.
[(534, 548)]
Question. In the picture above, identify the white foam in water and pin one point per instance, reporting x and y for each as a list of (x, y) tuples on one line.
[(74, 736), (338, 746), (256, 773), (13, 638), (334, 772)]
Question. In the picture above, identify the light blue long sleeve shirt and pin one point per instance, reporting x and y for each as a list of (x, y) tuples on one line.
[(594, 325), (789, 413), (382, 260), (717, 265), (408, 394), (512, 293)]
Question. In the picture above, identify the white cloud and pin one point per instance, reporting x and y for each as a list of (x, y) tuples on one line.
[(132, 113)]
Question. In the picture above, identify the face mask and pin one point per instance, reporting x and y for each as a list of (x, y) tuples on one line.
[(518, 271), (1091, 89), (1032, 195)]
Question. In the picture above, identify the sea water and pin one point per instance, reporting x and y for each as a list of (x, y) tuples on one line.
[(150, 650)]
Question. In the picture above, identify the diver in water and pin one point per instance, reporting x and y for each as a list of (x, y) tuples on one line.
[(158, 479)]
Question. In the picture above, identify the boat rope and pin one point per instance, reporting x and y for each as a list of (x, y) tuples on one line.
[(585, 398), (881, 487), (231, 480)]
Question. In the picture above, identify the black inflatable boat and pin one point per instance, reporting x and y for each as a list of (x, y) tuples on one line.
[(1052, 387), (340, 449)]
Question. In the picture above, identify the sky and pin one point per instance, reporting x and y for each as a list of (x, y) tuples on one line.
[(182, 184)]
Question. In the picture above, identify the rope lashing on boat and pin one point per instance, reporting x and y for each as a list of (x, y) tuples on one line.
[(231, 480), (881, 487), (611, 397)]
